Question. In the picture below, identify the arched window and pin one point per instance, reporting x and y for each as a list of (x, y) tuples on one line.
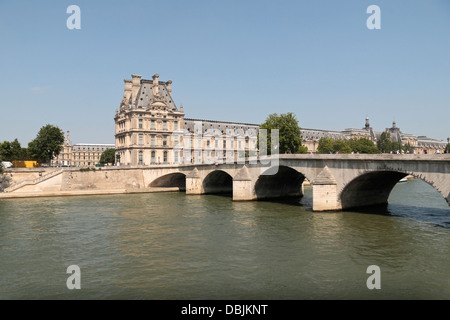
[(153, 157)]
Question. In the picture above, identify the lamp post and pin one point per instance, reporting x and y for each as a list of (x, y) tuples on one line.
[(447, 147)]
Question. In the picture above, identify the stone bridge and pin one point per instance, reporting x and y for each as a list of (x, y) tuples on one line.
[(338, 181)]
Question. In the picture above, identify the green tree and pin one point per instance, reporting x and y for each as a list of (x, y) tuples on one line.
[(384, 144), (289, 133), (47, 144), (340, 146), (5, 151), (408, 148), (108, 156), (326, 145), (447, 148), (396, 146), (363, 145), (10, 151)]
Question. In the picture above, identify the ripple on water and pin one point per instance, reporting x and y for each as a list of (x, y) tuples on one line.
[(173, 246)]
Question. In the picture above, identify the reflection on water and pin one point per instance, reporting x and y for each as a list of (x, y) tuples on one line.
[(173, 246), (416, 199)]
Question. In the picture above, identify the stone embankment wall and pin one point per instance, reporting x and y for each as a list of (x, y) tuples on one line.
[(104, 179), (72, 179)]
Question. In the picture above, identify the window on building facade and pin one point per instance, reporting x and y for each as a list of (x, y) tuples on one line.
[(140, 124), (153, 157), (140, 158), (176, 157), (165, 156), (141, 139), (153, 140), (164, 125), (152, 124), (165, 141)]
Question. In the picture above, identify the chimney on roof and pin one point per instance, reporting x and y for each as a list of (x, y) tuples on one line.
[(169, 86), (155, 87), (136, 85), (127, 92)]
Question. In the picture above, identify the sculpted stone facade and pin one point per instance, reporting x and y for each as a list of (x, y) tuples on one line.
[(421, 144), (80, 154), (151, 129), (146, 122)]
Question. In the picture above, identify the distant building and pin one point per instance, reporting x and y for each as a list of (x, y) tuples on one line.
[(421, 144), (151, 129), (80, 154)]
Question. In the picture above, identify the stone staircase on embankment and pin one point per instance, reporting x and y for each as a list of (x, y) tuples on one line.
[(22, 184)]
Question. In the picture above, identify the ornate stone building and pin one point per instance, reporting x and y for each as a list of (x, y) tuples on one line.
[(146, 122), (80, 154), (150, 129), (421, 144)]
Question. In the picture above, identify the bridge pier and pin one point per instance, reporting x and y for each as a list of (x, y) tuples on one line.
[(243, 186), (194, 183), (325, 193)]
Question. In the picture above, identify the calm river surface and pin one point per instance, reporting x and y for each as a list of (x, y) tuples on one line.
[(173, 246)]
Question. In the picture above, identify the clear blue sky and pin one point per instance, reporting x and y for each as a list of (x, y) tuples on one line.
[(233, 60)]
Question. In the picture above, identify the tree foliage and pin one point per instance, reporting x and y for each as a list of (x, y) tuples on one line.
[(386, 145), (361, 145), (108, 156), (289, 133), (47, 144), (447, 148), (11, 151)]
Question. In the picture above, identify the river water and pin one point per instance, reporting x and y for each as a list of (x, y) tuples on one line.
[(173, 246)]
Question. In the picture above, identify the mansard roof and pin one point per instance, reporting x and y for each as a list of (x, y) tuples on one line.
[(142, 93), (246, 128), (145, 95), (317, 134)]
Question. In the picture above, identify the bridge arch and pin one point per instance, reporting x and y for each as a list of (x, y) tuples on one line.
[(218, 181), (373, 188), (284, 182), (171, 180)]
